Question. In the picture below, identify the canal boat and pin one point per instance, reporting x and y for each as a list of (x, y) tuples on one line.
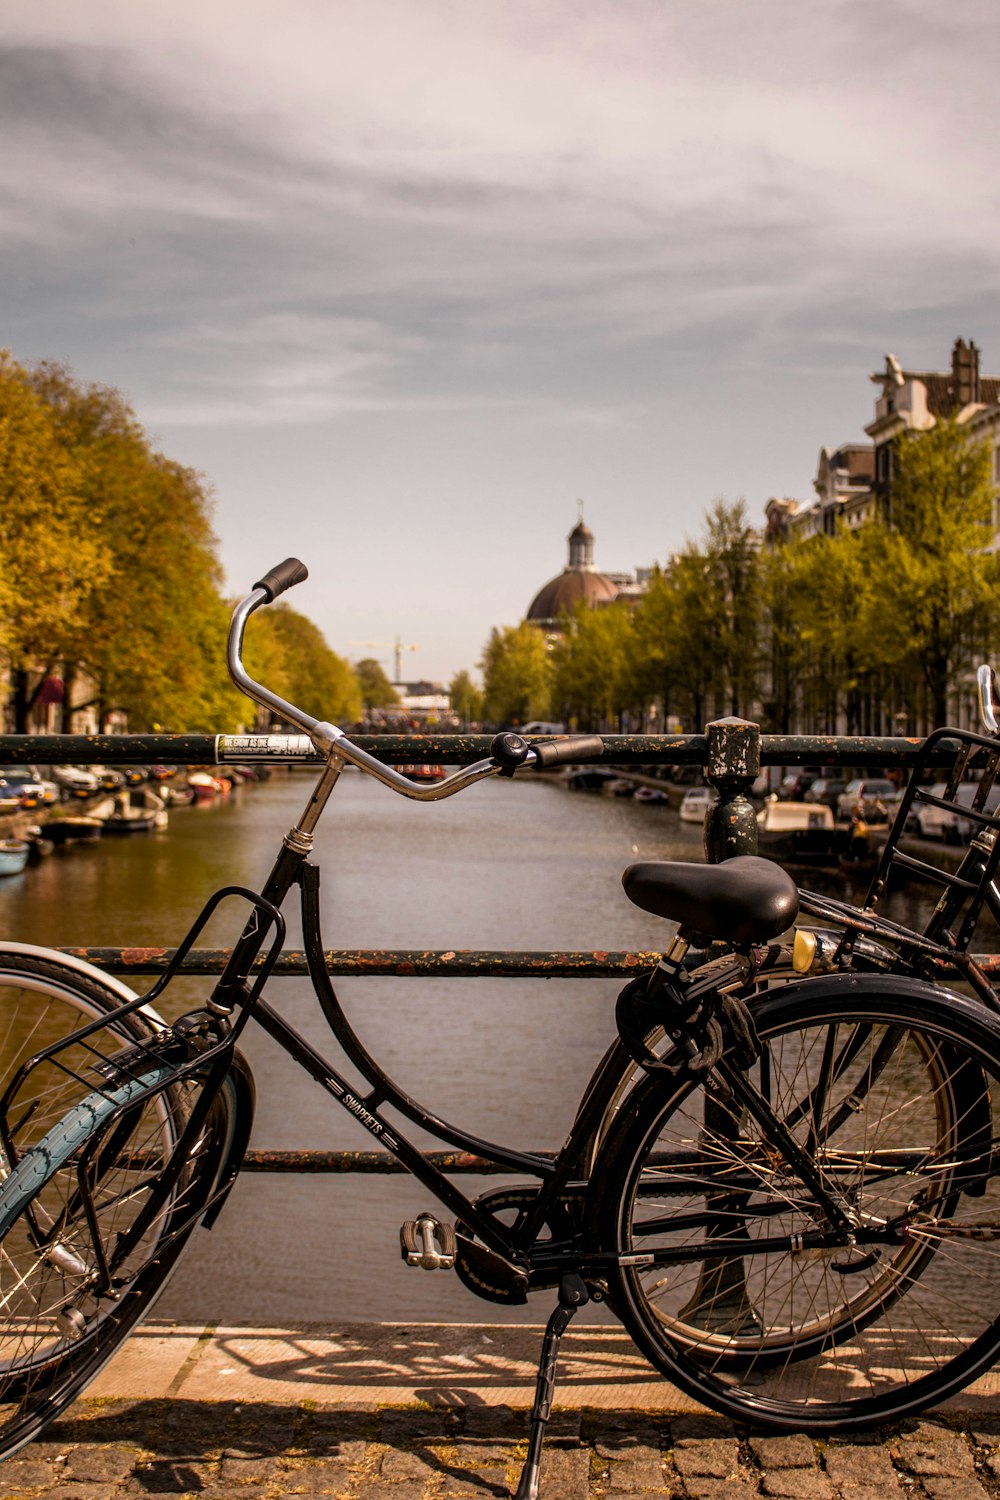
[(13, 856), (74, 829), (424, 772), (803, 833)]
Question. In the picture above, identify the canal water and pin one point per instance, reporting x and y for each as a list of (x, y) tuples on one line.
[(522, 865)]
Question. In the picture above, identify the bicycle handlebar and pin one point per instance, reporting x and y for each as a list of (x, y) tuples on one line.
[(986, 684), (508, 751), (285, 576)]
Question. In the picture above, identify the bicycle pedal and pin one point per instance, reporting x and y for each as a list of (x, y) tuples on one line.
[(428, 1243)]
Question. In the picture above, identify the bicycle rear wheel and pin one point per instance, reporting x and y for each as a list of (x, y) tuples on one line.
[(744, 1301)]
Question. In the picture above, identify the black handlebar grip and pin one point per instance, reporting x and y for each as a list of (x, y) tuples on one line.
[(508, 751), (558, 752), (285, 576)]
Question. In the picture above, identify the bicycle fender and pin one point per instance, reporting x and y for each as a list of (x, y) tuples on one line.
[(88, 970), (241, 1079)]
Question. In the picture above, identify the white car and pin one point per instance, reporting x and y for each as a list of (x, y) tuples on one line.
[(74, 780), (696, 802), (945, 822)]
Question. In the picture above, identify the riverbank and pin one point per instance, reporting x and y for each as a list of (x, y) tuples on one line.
[(429, 1412)]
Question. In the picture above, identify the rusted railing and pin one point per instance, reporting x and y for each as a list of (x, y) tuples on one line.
[(732, 752)]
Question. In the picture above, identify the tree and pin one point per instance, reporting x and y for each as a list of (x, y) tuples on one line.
[(516, 675), (466, 698), (936, 606), (376, 689), (152, 637), (592, 683), (53, 560), (304, 670)]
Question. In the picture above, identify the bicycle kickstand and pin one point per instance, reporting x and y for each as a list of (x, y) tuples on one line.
[(572, 1295)]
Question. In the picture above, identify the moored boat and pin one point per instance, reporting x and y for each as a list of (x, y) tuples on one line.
[(13, 856), (801, 833), (71, 829), (422, 772)]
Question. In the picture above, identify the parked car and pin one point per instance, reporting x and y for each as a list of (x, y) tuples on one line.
[(75, 781), (945, 822), (20, 783), (873, 796), (826, 789), (696, 802)]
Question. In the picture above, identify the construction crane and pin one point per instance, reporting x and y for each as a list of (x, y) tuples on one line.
[(397, 647)]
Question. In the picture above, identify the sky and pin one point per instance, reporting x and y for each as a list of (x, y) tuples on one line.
[(410, 280)]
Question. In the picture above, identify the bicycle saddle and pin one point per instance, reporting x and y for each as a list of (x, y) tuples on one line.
[(744, 900)]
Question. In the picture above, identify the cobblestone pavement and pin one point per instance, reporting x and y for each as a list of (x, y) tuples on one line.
[(224, 1451)]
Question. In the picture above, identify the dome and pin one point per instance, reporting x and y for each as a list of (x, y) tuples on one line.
[(561, 595), (578, 583)]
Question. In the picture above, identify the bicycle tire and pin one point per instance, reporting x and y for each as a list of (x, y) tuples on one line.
[(47, 1352), (831, 1339), (44, 998)]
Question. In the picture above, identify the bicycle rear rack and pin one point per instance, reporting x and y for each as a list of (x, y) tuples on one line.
[(945, 938)]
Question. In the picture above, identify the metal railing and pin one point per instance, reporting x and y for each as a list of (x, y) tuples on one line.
[(731, 751)]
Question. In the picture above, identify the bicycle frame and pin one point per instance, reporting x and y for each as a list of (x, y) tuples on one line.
[(555, 1173)]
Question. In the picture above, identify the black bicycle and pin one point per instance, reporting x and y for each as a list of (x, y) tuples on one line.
[(786, 1191)]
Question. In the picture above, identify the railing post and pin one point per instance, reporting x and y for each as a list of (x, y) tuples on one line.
[(721, 1301), (732, 765)]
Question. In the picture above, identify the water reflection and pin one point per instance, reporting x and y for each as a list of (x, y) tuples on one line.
[(524, 865)]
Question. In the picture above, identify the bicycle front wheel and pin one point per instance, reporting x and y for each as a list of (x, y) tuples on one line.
[(740, 1293)]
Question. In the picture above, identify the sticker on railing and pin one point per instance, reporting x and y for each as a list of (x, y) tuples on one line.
[(235, 747)]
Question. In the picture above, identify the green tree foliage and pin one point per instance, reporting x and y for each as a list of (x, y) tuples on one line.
[(302, 669), (376, 689), (938, 584), (108, 567), (52, 560), (592, 679), (516, 675), (466, 698)]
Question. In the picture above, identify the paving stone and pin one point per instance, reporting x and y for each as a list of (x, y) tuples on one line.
[(797, 1484), (986, 1434), (494, 1422), (100, 1463), (856, 1465), (373, 1490), (171, 1476), (871, 1491), (400, 1463), (566, 1474), (643, 1445), (699, 1487), (322, 1477), (402, 1427), (700, 1425), (944, 1457), (614, 1435), (27, 1473), (487, 1483), (637, 1474), (239, 1465), (793, 1452), (84, 1491), (713, 1457), (484, 1451), (340, 1451), (565, 1427), (966, 1488)]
